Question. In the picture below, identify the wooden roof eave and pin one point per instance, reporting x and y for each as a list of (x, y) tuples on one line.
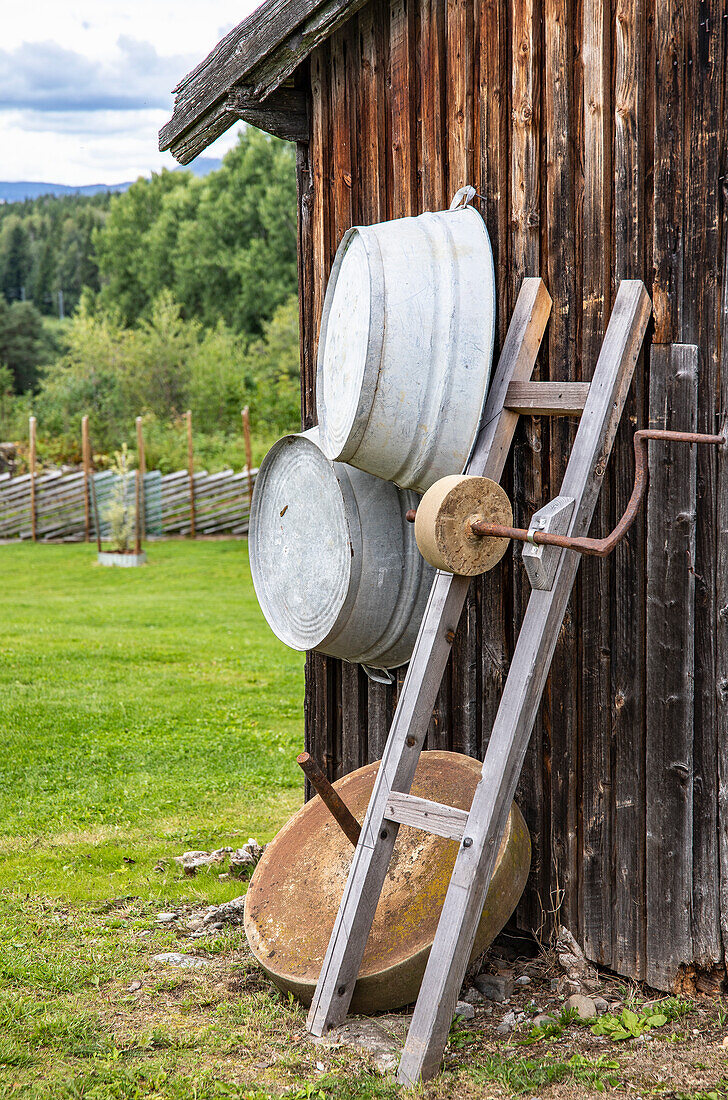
[(243, 76)]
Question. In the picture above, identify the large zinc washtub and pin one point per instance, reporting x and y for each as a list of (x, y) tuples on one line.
[(334, 562), (296, 889), (406, 346)]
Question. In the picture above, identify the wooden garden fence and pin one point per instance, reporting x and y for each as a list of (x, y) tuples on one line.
[(55, 504)]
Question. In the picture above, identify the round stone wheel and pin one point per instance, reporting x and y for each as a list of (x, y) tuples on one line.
[(442, 524), (296, 889)]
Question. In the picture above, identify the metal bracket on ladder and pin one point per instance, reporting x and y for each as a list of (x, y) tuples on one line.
[(479, 831)]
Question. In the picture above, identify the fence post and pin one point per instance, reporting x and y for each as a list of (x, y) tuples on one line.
[(137, 524), (142, 467), (31, 424), (191, 471), (86, 452), (248, 454)]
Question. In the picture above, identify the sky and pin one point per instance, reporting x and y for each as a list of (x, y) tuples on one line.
[(85, 85)]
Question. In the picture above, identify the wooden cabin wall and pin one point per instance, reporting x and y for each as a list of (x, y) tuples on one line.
[(595, 131)]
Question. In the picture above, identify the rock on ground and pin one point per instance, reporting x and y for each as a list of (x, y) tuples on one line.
[(186, 962), (495, 987), (584, 1006), (368, 1036)]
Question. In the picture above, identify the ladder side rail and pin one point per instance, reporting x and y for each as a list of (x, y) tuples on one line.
[(522, 695), (373, 853)]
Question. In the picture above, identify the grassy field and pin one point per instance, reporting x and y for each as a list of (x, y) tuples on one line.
[(147, 712)]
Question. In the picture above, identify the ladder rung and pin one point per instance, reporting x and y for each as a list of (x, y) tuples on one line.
[(547, 398), (421, 813)]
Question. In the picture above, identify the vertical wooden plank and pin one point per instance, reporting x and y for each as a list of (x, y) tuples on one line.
[(670, 665), (705, 53), (492, 182), (525, 196), (628, 565), (401, 91), (460, 94), (669, 79), (564, 355), (342, 160), (372, 98), (372, 110), (465, 658), (320, 144), (595, 733), (431, 80), (722, 561), (304, 185), (663, 953)]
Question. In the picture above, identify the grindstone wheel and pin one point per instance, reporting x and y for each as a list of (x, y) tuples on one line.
[(443, 519), (296, 889)]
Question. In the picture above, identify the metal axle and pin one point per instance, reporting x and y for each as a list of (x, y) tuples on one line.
[(598, 547)]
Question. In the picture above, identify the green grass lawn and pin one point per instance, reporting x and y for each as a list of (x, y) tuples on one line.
[(144, 713)]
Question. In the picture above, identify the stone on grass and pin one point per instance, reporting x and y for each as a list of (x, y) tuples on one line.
[(166, 918), (601, 1005), (543, 1019), (191, 861), (585, 1007), (465, 1009), (507, 1024), (246, 857), (494, 986), (230, 912), (365, 1035), (186, 962)]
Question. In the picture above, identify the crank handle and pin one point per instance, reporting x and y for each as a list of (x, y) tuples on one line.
[(601, 547)]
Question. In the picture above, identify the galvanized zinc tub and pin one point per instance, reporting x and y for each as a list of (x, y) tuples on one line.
[(406, 346), (334, 562)]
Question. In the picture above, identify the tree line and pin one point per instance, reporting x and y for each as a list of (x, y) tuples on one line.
[(179, 292)]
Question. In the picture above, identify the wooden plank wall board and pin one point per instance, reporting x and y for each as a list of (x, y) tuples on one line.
[(560, 231), (705, 44), (492, 132), (564, 104), (595, 886), (527, 485), (431, 111), (670, 665), (627, 567), (465, 662), (722, 563)]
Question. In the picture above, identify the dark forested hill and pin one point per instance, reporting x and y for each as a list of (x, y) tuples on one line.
[(20, 190)]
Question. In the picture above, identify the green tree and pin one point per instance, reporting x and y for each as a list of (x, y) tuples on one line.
[(87, 378), (24, 345), (16, 260), (237, 259), (225, 245), (156, 365), (273, 361), (122, 245)]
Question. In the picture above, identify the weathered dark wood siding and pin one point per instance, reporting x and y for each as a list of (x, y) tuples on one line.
[(596, 133)]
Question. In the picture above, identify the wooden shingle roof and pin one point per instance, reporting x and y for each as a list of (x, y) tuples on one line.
[(248, 75)]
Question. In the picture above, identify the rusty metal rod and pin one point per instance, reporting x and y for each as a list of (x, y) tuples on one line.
[(334, 804), (601, 547)]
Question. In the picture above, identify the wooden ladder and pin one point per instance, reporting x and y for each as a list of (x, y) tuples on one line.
[(479, 832)]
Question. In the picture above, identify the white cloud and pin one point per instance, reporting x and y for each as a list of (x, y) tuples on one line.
[(85, 85)]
